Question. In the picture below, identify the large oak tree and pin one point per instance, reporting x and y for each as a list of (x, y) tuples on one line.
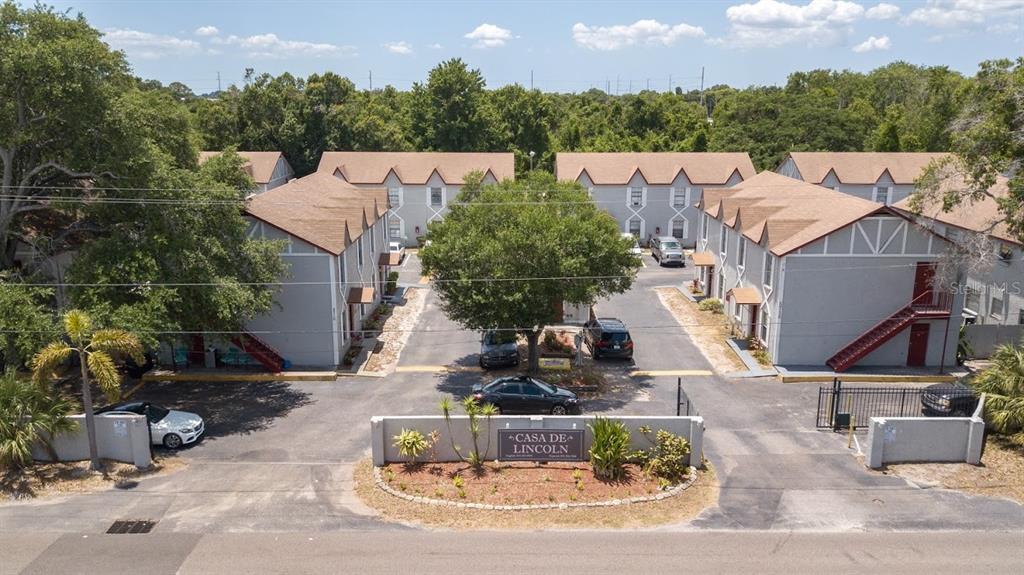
[(507, 254)]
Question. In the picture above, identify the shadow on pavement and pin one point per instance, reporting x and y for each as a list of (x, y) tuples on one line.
[(228, 408)]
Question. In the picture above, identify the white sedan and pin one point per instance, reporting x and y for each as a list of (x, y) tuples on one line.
[(397, 248), (168, 427)]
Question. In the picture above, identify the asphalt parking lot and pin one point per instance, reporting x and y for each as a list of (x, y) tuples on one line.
[(279, 456)]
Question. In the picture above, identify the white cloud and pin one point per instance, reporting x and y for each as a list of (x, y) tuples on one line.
[(957, 13), (489, 36), (270, 46), (883, 11), (645, 32), (872, 44), (404, 48), (1003, 28), (206, 31), (434, 46), (147, 45), (773, 23)]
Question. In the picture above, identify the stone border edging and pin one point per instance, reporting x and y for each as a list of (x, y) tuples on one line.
[(670, 492)]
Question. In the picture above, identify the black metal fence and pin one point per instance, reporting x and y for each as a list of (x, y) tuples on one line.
[(839, 407), (683, 404)]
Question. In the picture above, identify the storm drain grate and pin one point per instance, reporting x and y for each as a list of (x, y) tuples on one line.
[(131, 526)]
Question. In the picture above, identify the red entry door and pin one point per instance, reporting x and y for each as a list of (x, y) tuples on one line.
[(917, 353), (923, 279)]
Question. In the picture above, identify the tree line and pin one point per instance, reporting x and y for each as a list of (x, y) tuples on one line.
[(898, 107)]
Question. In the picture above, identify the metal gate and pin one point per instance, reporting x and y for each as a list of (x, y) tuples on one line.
[(839, 407)]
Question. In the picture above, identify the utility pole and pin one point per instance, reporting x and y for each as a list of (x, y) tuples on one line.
[(607, 86), (648, 84), (531, 79), (702, 87), (371, 80), (630, 86), (670, 83), (218, 81), (616, 84)]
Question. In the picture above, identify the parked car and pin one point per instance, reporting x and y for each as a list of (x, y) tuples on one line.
[(168, 427), (397, 248), (527, 395), (498, 349), (635, 250), (948, 400), (668, 251), (608, 337)]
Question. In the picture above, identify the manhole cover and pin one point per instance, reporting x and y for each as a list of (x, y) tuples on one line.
[(131, 526)]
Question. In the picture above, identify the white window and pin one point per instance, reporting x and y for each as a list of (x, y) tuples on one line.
[(636, 196), (704, 227), (679, 229), (395, 229), (634, 227), (679, 198), (373, 242), (721, 285), (359, 250), (882, 194), (769, 266), (763, 327), (722, 239), (741, 252), (394, 197), (436, 197), (972, 299), (996, 309), (342, 272)]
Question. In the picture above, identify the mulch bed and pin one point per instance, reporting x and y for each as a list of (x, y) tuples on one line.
[(516, 483)]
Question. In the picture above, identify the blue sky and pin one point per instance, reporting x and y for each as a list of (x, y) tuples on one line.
[(568, 45)]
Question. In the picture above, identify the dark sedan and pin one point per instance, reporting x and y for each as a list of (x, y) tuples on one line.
[(948, 400), (526, 395)]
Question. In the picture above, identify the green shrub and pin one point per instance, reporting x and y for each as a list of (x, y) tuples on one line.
[(411, 443), (666, 458), (712, 305), (392, 283), (609, 450), (29, 413)]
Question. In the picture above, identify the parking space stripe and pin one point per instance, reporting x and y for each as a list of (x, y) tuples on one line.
[(672, 372)]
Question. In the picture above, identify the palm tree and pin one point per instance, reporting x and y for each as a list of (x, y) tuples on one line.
[(1003, 384), (96, 350), (30, 415)]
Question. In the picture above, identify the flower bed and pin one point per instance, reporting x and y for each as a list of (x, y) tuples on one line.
[(520, 485)]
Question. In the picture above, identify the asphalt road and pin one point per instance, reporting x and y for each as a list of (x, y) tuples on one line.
[(494, 552)]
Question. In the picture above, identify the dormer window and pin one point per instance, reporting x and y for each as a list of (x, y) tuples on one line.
[(882, 194), (636, 196)]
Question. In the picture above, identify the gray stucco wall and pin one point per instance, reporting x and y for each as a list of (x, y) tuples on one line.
[(122, 438), (414, 209), (828, 302), (384, 429), (924, 439), (661, 205)]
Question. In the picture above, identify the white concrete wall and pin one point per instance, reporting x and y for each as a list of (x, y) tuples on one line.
[(384, 429), (924, 440), (123, 438)]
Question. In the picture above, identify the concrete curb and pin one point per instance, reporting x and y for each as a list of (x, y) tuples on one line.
[(866, 378), (670, 492), (752, 365), (161, 375)]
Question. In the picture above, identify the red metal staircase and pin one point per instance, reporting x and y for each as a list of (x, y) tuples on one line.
[(260, 351), (928, 305)]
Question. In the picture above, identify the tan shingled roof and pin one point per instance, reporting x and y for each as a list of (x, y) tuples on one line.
[(788, 213), (415, 168), (862, 167), (982, 216), (657, 168), (320, 209), (259, 165)]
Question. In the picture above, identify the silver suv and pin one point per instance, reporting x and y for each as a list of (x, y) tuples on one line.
[(667, 251)]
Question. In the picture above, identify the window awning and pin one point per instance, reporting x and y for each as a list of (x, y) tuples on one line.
[(745, 296), (703, 259), (389, 259), (360, 295)]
